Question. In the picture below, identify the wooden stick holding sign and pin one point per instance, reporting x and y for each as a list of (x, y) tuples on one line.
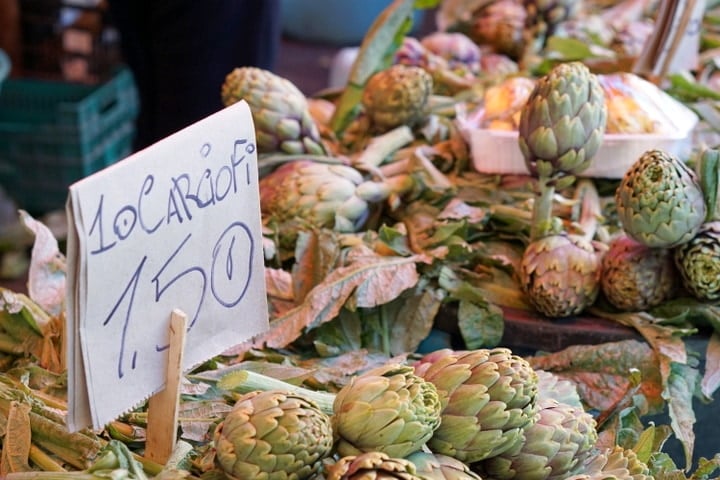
[(163, 406)]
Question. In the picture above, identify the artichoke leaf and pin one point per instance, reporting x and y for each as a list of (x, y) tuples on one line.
[(378, 46), (711, 378), (367, 283)]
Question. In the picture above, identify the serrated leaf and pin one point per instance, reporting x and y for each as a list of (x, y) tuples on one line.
[(602, 371), (711, 378), (481, 326), (374, 281), (678, 394)]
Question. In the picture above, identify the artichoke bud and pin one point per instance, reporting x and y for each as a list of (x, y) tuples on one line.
[(371, 465), (388, 409), (613, 463), (488, 396), (563, 122), (280, 111), (320, 193), (636, 277), (273, 433), (659, 200), (699, 262), (435, 466), (397, 96), (559, 441), (560, 274)]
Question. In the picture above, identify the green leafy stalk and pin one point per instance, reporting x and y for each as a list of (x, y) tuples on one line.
[(379, 45), (245, 381), (708, 169)]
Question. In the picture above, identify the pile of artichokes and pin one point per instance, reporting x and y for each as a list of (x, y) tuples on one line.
[(451, 414)]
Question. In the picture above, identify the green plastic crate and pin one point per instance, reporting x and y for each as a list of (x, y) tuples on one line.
[(55, 133)]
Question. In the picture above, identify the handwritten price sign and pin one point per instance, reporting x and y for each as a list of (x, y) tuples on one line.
[(175, 226)]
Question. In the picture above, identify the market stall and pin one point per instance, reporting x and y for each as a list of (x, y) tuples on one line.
[(492, 254)]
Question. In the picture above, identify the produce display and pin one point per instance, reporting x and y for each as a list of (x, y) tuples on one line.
[(391, 262)]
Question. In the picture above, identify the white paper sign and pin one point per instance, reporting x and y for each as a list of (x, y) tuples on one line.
[(176, 225)]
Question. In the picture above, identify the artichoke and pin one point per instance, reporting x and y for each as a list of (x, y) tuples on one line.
[(371, 465), (560, 274), (699, 262), (636, 277), (659, 200), (500, 25), (563, 123), (434, 466), (455, 47), (273, 434), (488, 398), (544, 17), (553, 446), (279, 110), (614, 463), (397, 96), (388, 409), (324, 194)]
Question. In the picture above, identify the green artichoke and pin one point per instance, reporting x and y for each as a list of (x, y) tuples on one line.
[(371, 466), (434, 466), (659, 200), (397, 96), (273, 434), (563, 123), (614, 463), (560, 274), (280, 112), (488, 398), (636, 277), (699, 262), (388, 409), (553, 446), (324, 194)]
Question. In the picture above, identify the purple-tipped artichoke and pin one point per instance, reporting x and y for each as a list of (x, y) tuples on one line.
[(560, 274), (615, 463), (326, 195), (271, 434), (636, 277), (659, 200), (556, 444), (388, 409), (563, 124), (434, 466), (397, 96), (488, 398), (371, 465), (699, 262), (279, 110)]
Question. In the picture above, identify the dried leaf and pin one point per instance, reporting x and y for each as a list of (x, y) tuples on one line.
[(678, 393), (316, 254), (711, 378), (46, 276), (413, 321), (17, 441), (602, 371), (363, 285)]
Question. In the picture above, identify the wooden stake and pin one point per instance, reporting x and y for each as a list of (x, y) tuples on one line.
[(163, 407)]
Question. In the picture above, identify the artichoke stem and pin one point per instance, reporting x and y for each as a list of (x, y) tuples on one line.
[(245, 381), (382, 146), (542, 211)]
